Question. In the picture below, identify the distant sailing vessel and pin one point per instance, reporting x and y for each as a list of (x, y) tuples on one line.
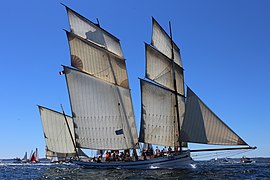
[(102, 110), (245, 159), (34, 157), (24, 159)]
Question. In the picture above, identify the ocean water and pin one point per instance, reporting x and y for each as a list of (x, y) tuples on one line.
[(231, 169)]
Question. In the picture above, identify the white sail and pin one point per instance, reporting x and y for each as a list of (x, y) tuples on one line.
[(162, 42), (24, 157), (159, 68), (93, 32), (56, 132), (103, 113), (97, 61), (159, 122), (201, 125)]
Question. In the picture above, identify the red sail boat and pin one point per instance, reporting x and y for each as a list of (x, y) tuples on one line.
[(34, 156)]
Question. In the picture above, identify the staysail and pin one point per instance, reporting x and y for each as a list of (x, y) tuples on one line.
[(56, 133), (83, 27), (201, 125)]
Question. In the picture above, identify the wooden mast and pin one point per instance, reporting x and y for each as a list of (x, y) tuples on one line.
[(175, 90)]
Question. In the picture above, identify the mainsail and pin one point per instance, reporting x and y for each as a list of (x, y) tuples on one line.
[(98, 88), (201, 125), (57, 136), (159, 124)]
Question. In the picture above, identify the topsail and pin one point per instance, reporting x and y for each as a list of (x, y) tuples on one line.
[(97, 61), (83, 27), (159, 68), (162, 41)]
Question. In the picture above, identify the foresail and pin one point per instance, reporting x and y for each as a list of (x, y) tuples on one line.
[(56, 132), (102, 112), (91, 31), (162, 42), (158, 118), (201, 125), (99, 62), (159, 68)]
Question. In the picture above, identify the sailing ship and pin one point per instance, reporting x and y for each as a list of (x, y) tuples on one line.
[(102, 109)]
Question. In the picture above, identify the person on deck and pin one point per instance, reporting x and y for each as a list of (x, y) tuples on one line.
[(107, 156), (157, 152), (134, 155), (169, 149)]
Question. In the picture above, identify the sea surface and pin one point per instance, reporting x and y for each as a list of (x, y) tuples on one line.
[(213, 169)]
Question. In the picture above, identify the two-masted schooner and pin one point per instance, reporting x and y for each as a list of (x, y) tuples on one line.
[(101, 104)]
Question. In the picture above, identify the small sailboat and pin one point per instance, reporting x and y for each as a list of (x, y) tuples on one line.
[(24, 159), (245, 159), (34, 156), (102, 109)]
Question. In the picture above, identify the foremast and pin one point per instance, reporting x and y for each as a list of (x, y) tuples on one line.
[(98, 88)]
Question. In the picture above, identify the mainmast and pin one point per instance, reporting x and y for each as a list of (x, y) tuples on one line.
[(175, 88)]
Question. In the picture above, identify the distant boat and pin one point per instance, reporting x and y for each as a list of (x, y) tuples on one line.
[(245, 159), (102, 110), (34, 157), (24, 159)]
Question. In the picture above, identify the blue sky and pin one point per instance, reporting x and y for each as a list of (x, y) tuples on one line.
[(225, 47)]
